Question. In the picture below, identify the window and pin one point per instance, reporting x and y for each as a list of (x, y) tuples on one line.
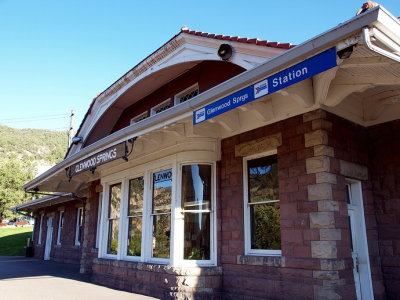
[(262, 213), (140, 117), (113, 218), (196, 206), (161, 107), (60, 227), (187, 94), (98, 219), (40, 230), (162, 216), (161, 213), (135, 217), (79, 223)]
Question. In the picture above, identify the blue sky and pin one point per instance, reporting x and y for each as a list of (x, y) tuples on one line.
[(57, 55)]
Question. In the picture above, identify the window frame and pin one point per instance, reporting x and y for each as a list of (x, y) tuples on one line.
[(176, 238), (213, 234), (153, 110), (246, 209), (60, 227), (188, 90), (99, 220), (139, 117), (79, 216), (40, 229)]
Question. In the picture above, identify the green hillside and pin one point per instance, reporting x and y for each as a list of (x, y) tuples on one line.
[(35, 145), (21, 152)]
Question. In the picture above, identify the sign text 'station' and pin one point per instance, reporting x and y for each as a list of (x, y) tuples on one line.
[(306, 69)]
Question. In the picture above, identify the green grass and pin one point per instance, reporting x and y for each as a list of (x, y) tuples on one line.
[(13, 240)]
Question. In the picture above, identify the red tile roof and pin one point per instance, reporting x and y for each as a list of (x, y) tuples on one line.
[(238, 39)]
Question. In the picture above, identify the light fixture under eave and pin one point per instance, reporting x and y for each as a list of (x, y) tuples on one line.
[(76, 140)]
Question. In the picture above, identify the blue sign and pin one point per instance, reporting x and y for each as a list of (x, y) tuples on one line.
[(306, 69)]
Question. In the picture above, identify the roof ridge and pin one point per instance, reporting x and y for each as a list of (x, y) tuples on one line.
[(255, 41)]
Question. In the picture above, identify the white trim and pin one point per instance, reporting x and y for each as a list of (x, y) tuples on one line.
[(40, 229), (362, 271), (153, 110), (186, 91), (99, 219), (79, 217), (246, 219), (176, 238), (60, 226)]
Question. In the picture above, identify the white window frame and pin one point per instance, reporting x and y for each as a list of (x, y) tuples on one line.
[(247, 225), (177, 221), (79, 216), (140, 117), (185, 92), (99, 220), (180, 222), (153, 110), (60, 226), (40, 229), (105, 221)]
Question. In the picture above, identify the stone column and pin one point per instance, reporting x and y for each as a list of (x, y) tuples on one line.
[(335, 266), (89, 251)]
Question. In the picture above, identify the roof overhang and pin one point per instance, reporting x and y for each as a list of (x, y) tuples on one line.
[(342, 36), (46, 201)]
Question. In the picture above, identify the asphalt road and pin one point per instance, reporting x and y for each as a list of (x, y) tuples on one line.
[(33, 279)]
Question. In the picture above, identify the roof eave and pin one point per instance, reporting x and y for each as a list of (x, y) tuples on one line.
[(309, 48)]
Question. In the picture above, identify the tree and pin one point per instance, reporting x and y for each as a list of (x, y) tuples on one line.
[(14, 173)]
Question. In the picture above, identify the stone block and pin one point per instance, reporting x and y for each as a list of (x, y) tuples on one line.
[(327, 234), (317, 137), (314, 115), (323, 249), (353, 170), (325, 293), (320, 191), (325, 177), (259, 145), (323, 150), (322, 220), (326, 275), (328, 205), (321, 124), (333, 264), (317, 164)]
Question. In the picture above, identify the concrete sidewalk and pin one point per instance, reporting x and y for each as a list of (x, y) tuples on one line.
[(29, 278)]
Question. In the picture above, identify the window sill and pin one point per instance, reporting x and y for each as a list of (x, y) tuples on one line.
[(159, 268), (253, 260)]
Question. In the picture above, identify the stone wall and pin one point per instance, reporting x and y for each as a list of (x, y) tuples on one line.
[(384, 152), (89, 249), (160, 281), (317, 152)]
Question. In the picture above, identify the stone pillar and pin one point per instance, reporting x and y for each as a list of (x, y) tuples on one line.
[(335, 269), (89, 251)]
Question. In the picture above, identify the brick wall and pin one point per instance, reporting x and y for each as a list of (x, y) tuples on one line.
[(66, 252), (384, 152), (318, 151)]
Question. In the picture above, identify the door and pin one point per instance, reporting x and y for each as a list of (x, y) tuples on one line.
[(359, 245), (49, 238)]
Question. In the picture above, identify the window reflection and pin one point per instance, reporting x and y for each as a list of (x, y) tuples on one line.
[(161, 213), (196, 204)]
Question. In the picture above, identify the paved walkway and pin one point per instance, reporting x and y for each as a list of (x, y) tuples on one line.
[(33, 279)]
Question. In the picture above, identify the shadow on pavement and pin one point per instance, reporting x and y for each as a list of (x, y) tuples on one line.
[(19, 267)]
